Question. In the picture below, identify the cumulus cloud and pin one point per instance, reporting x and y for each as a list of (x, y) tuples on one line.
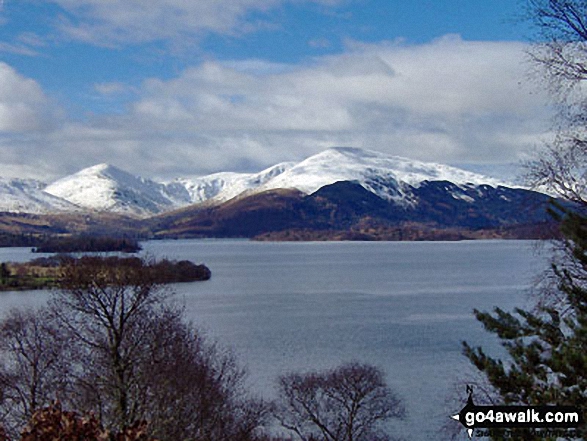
[(346, 92), (23, 104), (449, 101)]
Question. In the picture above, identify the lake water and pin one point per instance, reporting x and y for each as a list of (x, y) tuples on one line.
[(403, 306)]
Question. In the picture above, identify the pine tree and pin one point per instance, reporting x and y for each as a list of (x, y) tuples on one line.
[(547, 346)]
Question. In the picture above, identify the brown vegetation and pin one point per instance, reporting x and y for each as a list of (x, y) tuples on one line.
[(110, 346), (410, 232), (53, 423), (347, 403), (57, 271)]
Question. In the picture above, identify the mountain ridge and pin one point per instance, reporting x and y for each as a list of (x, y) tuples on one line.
[(106, 188), (347, 209)]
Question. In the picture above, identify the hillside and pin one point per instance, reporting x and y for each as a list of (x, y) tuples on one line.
[(348, 206), (336, 191), (105, 188)]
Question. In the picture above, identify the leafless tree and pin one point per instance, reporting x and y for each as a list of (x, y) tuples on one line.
[(110, 344), (348, 403), (560, 56), (33, 371), (102, 308), (192, 389)]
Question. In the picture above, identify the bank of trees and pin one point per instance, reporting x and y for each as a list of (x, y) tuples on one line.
[(111, 346)]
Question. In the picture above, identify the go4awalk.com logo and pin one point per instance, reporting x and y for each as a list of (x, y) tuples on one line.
[(547, 418)]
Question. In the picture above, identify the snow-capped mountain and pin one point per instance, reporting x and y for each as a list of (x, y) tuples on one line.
[(107, 188), (227, 185), (27, 196), (104, 187), (389, 177)]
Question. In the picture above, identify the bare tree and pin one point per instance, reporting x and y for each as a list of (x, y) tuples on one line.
[(111, 345), (34, 371), (137, 359), (103, 307), (192, 389), (560, 57), (348, 403)]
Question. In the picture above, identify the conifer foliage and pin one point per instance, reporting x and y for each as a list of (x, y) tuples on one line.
[(547, 345)]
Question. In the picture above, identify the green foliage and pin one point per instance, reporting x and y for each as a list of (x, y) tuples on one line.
[(4, 273), (547, 346)]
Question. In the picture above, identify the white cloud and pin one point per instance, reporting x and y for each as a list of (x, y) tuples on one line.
[(23, 104), (447, 101), (18, 49), (112, 88), (137, 21)]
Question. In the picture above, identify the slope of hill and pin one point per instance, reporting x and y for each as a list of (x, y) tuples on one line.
[(339, 189), (227, 185), (384, 175), (28, 196), (104, 187), (347, 206)]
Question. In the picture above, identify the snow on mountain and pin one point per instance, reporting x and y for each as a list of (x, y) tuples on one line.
[(104, 187), (227, 185), (27, 196), (387, 176)]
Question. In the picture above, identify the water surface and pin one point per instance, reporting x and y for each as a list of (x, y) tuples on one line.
[(403, 306)]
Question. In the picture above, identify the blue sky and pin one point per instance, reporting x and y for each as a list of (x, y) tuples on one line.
[(174, 87)]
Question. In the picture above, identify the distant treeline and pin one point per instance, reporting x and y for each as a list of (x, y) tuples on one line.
[(54, 271), (19, 240), (50, 243), (86, 244)]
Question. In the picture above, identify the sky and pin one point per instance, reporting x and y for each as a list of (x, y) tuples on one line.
[(168, 88)]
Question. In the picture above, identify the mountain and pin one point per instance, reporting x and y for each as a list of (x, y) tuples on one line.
[(338, 193), (107, 188), (223, 186), (337, 189), (384, 175), (348, 210), (28, 196)]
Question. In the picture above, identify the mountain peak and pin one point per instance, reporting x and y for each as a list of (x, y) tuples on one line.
[(104, 169), (100, 167), (105, 187)]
